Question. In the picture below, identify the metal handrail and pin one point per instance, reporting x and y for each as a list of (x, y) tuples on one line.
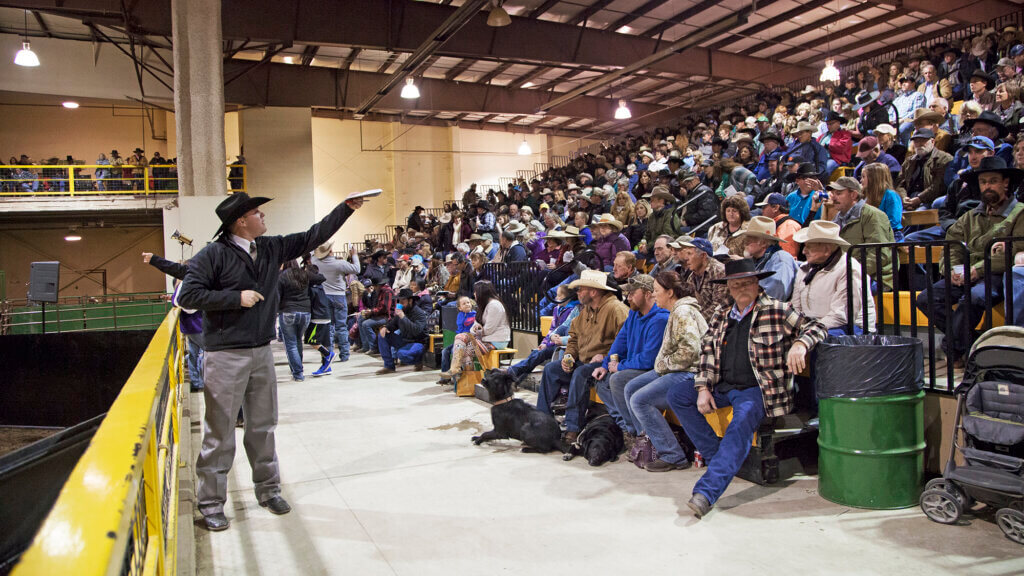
[(117, 513), (69, 180)]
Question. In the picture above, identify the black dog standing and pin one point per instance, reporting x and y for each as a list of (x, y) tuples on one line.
[(513, 418)]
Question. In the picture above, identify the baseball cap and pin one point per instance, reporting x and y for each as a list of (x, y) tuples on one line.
[(885, 129), (1017, 50), (867, 143), (774, 199), (702, 244), (845, 183), (922, 133), (981, 143), (640, 282), (1003, 62)]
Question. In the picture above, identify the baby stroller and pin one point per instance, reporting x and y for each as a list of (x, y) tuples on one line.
[(989, 435)]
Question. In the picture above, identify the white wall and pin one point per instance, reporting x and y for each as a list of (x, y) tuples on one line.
[(483, 156)]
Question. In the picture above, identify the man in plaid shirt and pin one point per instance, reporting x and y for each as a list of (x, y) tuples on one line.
[(749, 355)]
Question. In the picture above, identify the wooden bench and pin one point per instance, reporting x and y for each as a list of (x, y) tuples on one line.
[(906, 300), (468, 379), (921, 218), (921, 254), (545, 325)]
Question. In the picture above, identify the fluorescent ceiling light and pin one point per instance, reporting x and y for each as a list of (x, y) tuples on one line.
[(70, 104)]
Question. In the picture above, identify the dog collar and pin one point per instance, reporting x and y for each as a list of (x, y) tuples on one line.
[(504, 401)]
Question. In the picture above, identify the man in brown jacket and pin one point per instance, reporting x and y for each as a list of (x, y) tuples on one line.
[(921, 182), (590, 337)]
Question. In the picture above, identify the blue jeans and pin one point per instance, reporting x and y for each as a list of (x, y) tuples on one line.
[(646, 397), (724, 455), (195, 364), (612, 391), (446, 358), (579, 391), (293, 327), (392, 339), (1016, 316), (339, 316), (831, 166), (368, 328), (524, 367), (970, 310)]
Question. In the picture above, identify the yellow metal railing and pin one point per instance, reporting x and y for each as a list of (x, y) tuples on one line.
[(96, 179), (118, 511)]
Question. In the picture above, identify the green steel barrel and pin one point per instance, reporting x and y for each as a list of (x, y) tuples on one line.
[(871, 450)]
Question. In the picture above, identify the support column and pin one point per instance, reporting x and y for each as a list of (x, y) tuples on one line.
[(199, 97)]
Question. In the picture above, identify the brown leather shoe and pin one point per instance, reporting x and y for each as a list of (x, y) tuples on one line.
[(385, 370), (418, 367)]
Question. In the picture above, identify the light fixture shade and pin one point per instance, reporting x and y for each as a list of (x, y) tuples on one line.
[(830, 73), (623, 112), (25, 56), (498, 17), (410, 90), (524, 148)]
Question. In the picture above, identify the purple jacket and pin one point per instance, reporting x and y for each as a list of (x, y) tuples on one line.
[(608, 246)]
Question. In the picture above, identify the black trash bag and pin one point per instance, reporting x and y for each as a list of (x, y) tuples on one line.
[(866, 366)]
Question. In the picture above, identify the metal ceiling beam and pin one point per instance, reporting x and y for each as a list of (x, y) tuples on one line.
[(453, 122), (814, 27), (459, 68), (42, 23), (402, 25), (347, 63), (387, 63), (547, 5), (528, 77), (589, 11), (632, 16), (769, 23), (844, 32), (275, 85), (737, 18), (680, 18), (308, 54), (494, 73)]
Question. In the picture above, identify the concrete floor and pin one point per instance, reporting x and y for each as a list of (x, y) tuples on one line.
[(383, 479)]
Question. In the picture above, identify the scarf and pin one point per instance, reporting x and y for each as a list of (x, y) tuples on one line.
[(815, 268)]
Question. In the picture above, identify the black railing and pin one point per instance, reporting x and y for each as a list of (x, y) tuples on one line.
[(899, 284), (520, 288)]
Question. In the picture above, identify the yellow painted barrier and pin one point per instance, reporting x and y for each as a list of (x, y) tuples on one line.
[(88, 179), (117, 513)]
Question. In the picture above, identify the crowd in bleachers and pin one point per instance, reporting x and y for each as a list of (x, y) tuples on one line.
[(108, 173)]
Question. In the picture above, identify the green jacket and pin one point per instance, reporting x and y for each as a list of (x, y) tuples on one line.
[(664, 221), (1013, 226), (976, 228), (865, 224)]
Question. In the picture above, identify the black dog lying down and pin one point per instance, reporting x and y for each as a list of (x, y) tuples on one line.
[(513, 418), (600, 440)]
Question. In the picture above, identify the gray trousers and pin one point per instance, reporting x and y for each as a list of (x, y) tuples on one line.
[(242, 377)]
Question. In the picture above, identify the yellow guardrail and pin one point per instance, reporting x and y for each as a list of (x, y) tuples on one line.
[(118, 511), (97, 179)]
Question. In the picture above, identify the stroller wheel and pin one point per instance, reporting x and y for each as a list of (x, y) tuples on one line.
[(941, 506), (1011, 522), (943, 484)]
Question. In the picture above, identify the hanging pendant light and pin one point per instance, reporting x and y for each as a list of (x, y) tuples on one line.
[(498, 17), (410, 91), (26, 57), (830, 73), (524, 148), (623, 112)]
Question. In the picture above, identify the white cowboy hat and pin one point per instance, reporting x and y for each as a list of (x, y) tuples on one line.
[(759, 227), (609, 220), (516, 228), (592, 279), (323, 250), (821, 231)]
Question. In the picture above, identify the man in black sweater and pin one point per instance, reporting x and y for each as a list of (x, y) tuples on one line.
[(234, 282), (407, 326)]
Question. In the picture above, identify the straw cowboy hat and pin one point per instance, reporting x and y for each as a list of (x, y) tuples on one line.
[(759, 227), (516, 228), (821, 231), (922, 115), (322, 251), (592, 279), (804, 127), (475, 238), (609, 220), (663, 193)]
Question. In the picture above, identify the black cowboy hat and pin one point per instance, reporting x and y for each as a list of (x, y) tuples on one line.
[(806, 169), (995, 164), (378, 254), (380, 281), (769, 135), (988, 118), (833, 116), (990, 81), (745, 268), (484, 204), (719, 141), (234, 207)]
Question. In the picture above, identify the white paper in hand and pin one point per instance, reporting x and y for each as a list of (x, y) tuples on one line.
[(367, 194)]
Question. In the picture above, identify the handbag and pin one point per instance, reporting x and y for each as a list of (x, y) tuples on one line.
[(646, 453)]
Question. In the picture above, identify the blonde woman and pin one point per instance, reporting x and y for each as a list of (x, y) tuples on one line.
[(623, 209)]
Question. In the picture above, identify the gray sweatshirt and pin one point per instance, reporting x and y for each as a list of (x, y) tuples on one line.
[(335, 270)]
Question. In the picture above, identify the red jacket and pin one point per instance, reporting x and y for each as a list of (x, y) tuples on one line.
[(840, 148)]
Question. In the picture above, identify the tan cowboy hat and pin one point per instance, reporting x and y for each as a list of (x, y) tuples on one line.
[(759, 227), (925, 115), (571, 232), (476, 238), (609, 220), (663, 193), (804, 127), (821, 231), (322, 251), (516, 228), (592, 279)]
